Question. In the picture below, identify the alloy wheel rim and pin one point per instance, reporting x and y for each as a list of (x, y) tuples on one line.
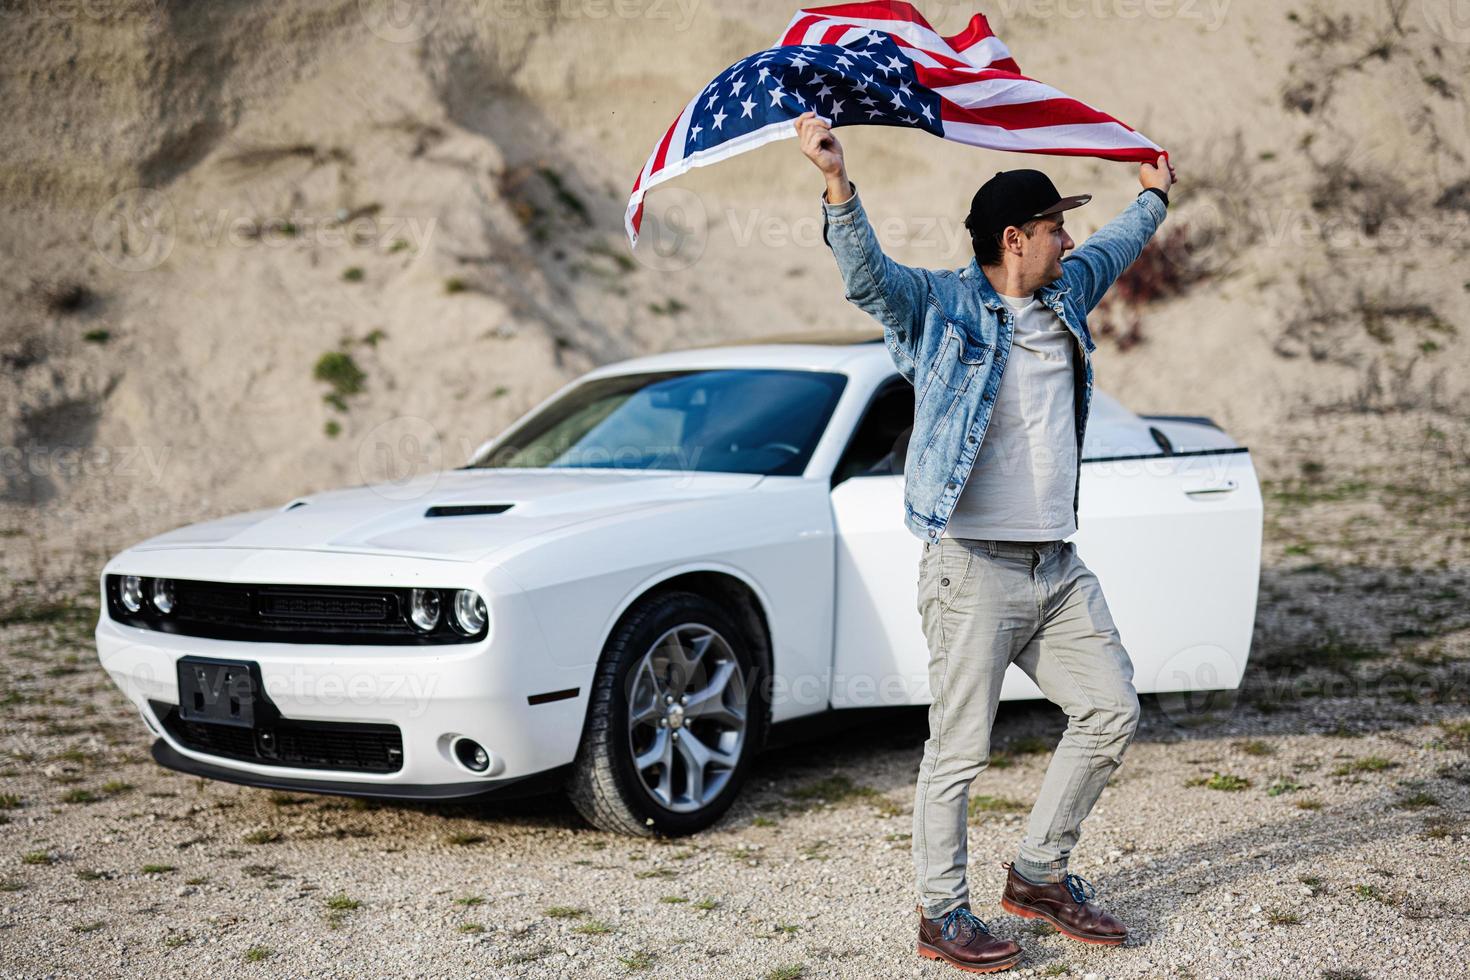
[(686, 717)]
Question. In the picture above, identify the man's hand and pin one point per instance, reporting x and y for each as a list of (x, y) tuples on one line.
[(822, 149), (1158, 174)]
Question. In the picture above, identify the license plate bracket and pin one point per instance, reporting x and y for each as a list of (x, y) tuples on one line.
[(218, 692)]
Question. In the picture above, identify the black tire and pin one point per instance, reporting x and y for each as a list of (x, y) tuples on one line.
[(605, 785)]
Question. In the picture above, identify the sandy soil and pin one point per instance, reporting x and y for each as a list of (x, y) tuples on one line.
[(199, 202)]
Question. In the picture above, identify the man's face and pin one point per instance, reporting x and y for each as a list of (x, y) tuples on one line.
[(1042, 250)]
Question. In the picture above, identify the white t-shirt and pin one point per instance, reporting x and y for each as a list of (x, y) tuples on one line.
[(1020, 488)]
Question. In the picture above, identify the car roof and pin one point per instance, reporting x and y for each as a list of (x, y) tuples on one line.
[(860, 357)]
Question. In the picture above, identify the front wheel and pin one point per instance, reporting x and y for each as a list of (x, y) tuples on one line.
[(674, 720)]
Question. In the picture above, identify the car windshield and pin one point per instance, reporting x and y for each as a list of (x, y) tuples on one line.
[(729, 421)]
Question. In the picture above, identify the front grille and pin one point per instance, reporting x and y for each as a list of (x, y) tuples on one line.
[(288, 613), (341, 746)]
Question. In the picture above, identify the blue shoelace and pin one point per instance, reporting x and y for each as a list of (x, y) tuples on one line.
[(1079, 888), (962, 917)]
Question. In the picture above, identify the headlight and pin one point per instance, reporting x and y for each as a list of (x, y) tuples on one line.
[(469, 611), (131, 593), (423, 608), (163, 595)]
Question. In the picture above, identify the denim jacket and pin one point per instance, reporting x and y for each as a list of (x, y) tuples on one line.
[(949, 334)]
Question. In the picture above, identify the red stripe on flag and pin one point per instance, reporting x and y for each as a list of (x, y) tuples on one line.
[(876, 11), (663, 147), (798, 30), (834, 34), (1026, 115)]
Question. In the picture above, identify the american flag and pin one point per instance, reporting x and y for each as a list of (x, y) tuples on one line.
[(881, 64)]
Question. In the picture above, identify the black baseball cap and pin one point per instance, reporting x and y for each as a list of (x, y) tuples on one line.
[(1014, 197)]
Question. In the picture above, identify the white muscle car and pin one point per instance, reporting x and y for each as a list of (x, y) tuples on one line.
[(626, 590)]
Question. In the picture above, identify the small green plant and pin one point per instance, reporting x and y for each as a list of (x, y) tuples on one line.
[(668, 308), (332, 429), (673, 899), (1309, 804), (1223, 781), (639, 960), (98, 336), (982, 804), (706, 904), (79, 796), (471, 927), (256, 954), (464, 839), (454, 285), (261, 836), (116, 787), (793, 971), (470, 901), (353, 274), (12, 885), (1282, 785), (337, 369), (594, 927), (341, 903), (373, 337), (1255, 746), (1283, 917), (88, 926), (9, 801), (157, 869), (1369, 763), (1417, 801), (174, 942), (37, 857), (399, 245), (563, 912)]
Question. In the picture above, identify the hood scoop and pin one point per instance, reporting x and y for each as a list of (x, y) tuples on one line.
[(466, 510)]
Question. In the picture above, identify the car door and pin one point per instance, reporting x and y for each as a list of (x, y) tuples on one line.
[(1170, 523), (1172, 529), (879, 653)]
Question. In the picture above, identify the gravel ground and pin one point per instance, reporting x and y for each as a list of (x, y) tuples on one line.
[(1314, 824)]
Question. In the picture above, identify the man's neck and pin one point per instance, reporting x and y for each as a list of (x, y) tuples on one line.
[(1007, 282)]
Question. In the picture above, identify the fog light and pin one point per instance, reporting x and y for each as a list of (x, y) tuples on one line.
[(469, 612), (131, 593), (163, 595), (423, 609), (471, 754)]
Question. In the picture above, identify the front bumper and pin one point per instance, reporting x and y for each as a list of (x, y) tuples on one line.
[(498, 789), (494, 691)]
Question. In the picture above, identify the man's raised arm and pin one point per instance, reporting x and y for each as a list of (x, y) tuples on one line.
[(892, 294), (1093, 267)]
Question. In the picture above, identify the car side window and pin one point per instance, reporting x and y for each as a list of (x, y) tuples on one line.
[(880, 441)]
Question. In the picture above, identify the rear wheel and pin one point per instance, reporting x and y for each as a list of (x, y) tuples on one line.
[(674, 720)]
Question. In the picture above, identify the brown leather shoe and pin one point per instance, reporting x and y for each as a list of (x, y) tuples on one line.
[(962, 939), (1065, 904)]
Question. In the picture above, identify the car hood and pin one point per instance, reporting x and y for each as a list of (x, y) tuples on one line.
[(395, 518)]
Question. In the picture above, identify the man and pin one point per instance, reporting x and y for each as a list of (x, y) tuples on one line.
[(999, 356)]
